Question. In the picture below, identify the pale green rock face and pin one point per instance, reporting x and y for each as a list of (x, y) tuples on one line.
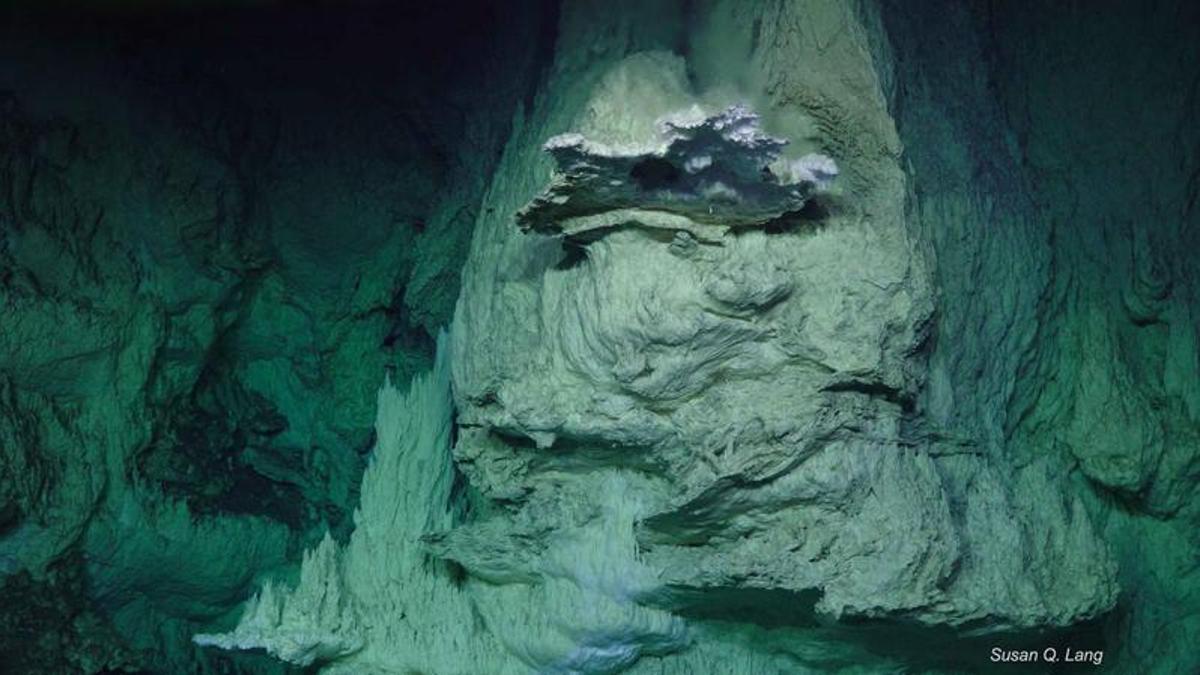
[(571, 337)]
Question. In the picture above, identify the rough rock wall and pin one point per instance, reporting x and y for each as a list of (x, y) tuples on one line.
[(951, 404), (1056, 179), (378, 604), (781, 442), (218, 231), (914, 420)]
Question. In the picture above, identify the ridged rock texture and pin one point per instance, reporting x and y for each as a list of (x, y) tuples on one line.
[(219, 231), (852, 336)]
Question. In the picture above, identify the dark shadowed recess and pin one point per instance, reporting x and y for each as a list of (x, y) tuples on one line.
[(252, 81), (289, 166), (327, 47)]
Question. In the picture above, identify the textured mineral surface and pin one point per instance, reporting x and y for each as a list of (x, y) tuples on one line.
[(657, 337), (709, 174)]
